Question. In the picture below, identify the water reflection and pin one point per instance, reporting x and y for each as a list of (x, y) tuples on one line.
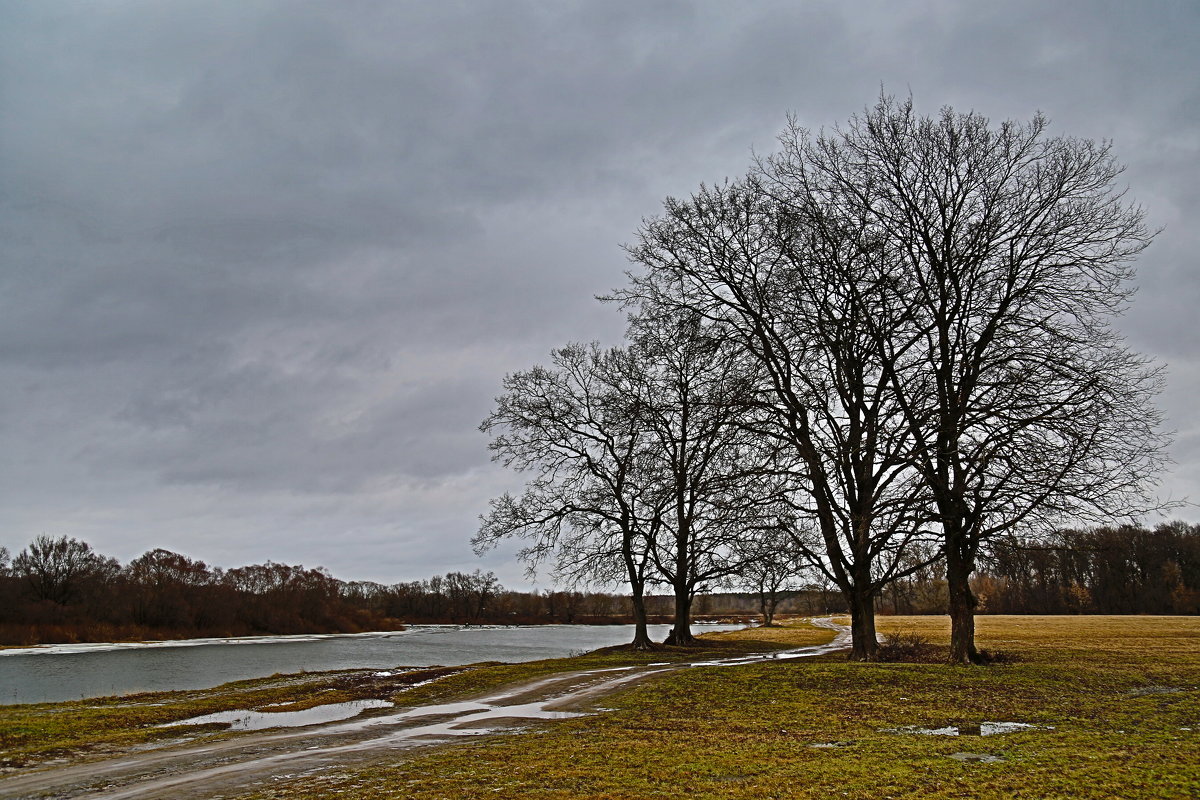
[(245, 720)]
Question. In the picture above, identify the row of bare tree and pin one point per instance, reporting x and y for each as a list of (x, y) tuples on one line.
[(61, 589), (1124, 569), (886, 346), (1108, 570)]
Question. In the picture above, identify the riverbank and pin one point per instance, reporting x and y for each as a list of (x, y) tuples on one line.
[(67, 746), (56, 673), (1112, 705)]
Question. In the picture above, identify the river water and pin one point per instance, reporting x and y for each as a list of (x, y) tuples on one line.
[(70, 672)]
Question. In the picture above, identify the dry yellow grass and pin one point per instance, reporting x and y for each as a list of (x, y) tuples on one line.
[(792, 633), (1140, 635)]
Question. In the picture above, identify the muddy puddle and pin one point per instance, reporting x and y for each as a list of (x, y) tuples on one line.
[(971, 729), (246, 720), (1151, 691), (976, 758)]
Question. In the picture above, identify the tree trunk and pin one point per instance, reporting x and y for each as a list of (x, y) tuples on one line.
[(864, 642), (767, 604), (637, 587), (641, 636), (959, 567), (681, 632)]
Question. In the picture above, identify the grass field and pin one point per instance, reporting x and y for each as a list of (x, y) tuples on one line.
[(1119, 699), (1116, 702)]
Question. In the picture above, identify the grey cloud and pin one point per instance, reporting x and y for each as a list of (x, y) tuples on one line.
[(263, 264)]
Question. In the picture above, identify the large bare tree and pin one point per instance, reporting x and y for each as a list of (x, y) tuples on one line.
[(57, 569), (731, 255), (640, 468), (1003, 256)]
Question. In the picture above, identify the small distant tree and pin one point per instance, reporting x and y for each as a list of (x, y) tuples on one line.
[(563, 605), (468, 594), (772, 568), (165, 588)]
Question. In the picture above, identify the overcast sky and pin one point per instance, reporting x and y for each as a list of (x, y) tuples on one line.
[(263, 265)]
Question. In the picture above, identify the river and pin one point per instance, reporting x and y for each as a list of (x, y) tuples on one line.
[(54, 673)]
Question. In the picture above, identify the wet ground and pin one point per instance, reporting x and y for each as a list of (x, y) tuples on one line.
[(247, 720), (971, 729), (209, 769)]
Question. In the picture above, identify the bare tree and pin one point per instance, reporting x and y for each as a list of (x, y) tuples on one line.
[(1004, 257), (577, 429), (56, 569), (737, 257), (773, 567), (696, 397), (164, 588), (468, 595)]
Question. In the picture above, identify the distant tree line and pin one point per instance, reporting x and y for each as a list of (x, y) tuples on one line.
[(1109, 570), (1126, 569), (60, 589)]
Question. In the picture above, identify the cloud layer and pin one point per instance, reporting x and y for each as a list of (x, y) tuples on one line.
[(264, 264)]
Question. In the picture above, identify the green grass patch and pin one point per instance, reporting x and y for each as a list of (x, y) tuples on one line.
[(1117, 702), (35, 732)]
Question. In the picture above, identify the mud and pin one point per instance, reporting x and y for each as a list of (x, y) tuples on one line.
[(205, 769)]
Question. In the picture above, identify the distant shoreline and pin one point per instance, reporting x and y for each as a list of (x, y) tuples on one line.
[(168, 640)]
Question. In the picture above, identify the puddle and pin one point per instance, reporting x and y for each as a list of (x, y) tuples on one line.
[(244, 720), (976, 758), (158, 745), (982, 729), (1147, 691), (425, 682), (731, 778)]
